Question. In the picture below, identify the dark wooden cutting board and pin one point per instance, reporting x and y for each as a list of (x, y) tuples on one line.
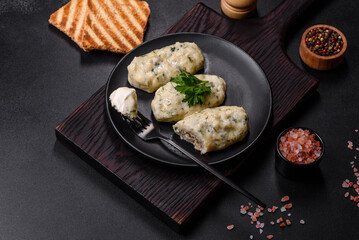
[(175, 194)]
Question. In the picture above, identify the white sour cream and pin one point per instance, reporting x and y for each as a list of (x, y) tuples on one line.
[(124, 100)]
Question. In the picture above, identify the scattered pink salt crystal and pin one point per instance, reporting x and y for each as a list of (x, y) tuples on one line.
[(346, 194), (274, 208), (350, 144), (285, 199), (345, 184), (230, 227), (302, 221)]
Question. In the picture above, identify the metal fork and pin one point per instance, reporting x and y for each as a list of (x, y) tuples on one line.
[(146, 130)]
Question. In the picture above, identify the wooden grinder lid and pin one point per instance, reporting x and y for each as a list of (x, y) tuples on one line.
[(238, 9)]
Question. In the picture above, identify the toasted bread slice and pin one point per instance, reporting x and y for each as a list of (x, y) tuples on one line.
[(71, 19), (114, 25)]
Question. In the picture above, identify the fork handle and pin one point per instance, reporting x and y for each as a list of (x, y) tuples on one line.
[(216, 173)]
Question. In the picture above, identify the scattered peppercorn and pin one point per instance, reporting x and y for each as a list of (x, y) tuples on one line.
[(324, 41)]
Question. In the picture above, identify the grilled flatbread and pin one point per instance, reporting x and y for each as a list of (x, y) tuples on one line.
[(114, 25)]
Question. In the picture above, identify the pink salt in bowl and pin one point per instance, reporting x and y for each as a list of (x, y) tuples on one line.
[(298, 169)]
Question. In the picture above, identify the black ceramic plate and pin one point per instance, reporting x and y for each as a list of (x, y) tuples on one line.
[(247, 86)]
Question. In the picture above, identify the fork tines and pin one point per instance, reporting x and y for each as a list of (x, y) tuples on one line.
[(139, 123)]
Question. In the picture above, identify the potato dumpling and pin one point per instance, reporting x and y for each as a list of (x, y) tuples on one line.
[(214, 128), (155, 69), (167, 105)]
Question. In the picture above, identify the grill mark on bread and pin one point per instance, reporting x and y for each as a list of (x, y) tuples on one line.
[(119, 28), (121, 18), (142, 16), (70, 19), (79, 19), (109, 27), (98, 19), (145, 10), (98, 28), (139, 6), (91, 35), (135, 18), (65, 13), (91, 39), (102, 41)]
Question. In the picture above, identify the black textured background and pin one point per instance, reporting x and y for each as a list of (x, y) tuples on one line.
[(47, 192)]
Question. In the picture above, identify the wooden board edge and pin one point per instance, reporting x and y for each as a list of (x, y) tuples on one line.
[(118, 182)]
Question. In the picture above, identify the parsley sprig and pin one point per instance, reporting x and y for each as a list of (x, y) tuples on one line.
[(194, 89)]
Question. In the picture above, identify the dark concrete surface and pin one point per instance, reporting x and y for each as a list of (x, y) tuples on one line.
[(48, 192)]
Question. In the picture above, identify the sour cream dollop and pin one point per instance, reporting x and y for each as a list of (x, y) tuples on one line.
[(124, 100)]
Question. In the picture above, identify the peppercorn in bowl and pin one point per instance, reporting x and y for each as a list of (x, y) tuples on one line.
[(298, 152), (322, 47)]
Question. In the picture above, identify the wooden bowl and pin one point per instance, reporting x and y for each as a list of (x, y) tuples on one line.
[(316, 61)]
